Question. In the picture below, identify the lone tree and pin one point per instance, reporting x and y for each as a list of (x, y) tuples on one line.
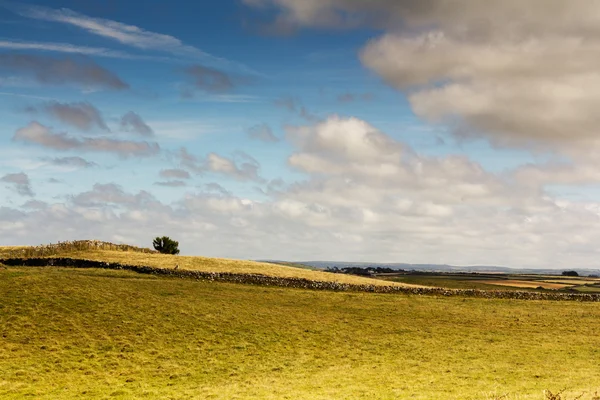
[(570, 273), (165, 245)]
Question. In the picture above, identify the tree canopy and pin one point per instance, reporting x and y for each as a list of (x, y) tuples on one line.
[(165, 245)]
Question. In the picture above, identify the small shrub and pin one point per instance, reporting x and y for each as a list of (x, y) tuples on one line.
[(165, 245), (558, 395)]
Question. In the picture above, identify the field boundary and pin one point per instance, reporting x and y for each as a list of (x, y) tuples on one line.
[(297, 283), (54, 249)]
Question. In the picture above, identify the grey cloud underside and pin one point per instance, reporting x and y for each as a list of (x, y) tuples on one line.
[(61, 71), (210, 80), (20, 182), (295, 106), (173, 183), (36, 133), (215, 187), (81, 115), (174, 173), (112, 194), (463, 16), (132, 122), (75, 162), (263, 133)]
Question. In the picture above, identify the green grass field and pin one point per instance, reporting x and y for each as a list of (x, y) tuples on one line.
[(100, 334)]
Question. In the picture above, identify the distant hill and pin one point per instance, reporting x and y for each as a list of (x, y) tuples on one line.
[(446, 267)]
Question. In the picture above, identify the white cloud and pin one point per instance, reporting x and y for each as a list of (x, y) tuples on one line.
[(519, 74), (416, 209), (242, 167), (70, 48), (129, 35)]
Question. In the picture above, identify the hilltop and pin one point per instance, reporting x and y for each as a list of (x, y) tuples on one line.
[(131, 255)]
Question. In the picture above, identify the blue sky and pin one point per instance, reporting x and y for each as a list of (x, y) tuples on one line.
[(299, 130)]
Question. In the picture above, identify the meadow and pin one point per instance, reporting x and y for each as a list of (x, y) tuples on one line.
[(99, 334)]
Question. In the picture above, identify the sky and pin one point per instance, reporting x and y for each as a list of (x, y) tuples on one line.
[(417, 131)]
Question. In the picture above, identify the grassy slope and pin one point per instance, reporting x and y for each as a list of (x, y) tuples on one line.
[(220, 265), (72, 334)]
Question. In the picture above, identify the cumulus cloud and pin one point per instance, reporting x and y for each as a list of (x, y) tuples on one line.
[(246, 168), (242, 167), (529, 93), (519, 74), (132, 122), (461, 16), (36, 133), (61, 71), (263, 133), (81, 115), (352, 164), (363, 195), (345, 139), (20, 182), (294, 223)]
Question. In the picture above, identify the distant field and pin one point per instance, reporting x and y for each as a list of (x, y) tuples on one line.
[(498, 281), (517, 283)]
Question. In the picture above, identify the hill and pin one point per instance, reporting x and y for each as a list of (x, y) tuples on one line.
[(100, 251)]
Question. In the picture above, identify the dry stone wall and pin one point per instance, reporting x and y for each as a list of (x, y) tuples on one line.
[(298, 283)]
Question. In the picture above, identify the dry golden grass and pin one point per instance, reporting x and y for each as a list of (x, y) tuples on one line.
[(207, 264), (572, 281), (7, 249)]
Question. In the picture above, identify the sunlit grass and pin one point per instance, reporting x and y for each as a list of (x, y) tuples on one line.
[(221, 265), (70, 333)]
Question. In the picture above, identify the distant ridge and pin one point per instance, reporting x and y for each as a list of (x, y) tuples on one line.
[(443, 267)]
